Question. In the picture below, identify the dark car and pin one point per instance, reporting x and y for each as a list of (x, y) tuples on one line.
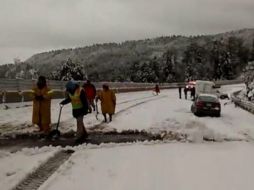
[(206, 104)]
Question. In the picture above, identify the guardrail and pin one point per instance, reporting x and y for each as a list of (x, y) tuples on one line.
[(21, 85), (244, 104), (14, 90), (24, 96)]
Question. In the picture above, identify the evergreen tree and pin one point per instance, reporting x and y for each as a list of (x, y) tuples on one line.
[(69, 71), (252, 51), (156, 72), (190, 60), (169, 65)]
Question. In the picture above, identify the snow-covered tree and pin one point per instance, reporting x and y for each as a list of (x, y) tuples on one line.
[(191, 60), (169, 65), (249, 75), (69, 71)]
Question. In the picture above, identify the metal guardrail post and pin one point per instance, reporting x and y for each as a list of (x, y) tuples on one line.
[(4, 97), (22, 96)]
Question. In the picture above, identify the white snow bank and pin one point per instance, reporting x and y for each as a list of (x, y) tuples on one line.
[(219, 166)]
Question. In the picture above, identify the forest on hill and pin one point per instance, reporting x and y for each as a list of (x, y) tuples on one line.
[(162, 59)]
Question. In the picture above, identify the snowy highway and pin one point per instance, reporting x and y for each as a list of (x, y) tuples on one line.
[(145, 111), (224, 164)]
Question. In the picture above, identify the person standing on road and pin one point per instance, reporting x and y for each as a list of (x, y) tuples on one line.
[(185, 93), (157, 89), (42, 105), (180, 91), (193, 93), (90, 93), (108, 102), (77, 97)]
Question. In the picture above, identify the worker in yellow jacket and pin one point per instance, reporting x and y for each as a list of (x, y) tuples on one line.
[(77, 97), (108, 102), (42, 105)]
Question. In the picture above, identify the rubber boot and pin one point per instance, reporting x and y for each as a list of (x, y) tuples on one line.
[(105, 118)]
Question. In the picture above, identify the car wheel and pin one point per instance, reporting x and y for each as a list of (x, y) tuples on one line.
[(197, 113), (192, 109)]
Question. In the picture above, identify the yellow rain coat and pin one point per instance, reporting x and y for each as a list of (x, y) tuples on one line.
[(108, 101), (42, 108)]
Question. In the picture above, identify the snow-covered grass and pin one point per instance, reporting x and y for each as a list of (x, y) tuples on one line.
[(181, 166), (16, 166)]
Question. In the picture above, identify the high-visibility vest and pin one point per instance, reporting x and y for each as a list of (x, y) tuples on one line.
[(75, 99)]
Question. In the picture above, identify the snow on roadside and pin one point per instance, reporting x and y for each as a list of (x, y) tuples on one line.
[(207, 166), (229, 89), (16, 166)]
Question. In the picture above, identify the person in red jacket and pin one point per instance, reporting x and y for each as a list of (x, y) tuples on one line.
[(90, 94)]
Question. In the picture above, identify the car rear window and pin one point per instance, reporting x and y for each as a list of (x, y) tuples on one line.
[(207, 98)]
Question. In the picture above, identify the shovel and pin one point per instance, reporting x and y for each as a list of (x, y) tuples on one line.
[(56, 133), (97, 112)]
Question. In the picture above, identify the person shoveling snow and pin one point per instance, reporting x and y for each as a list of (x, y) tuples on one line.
[(78, 99)]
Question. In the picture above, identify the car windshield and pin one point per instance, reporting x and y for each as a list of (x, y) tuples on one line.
[(207, 98)]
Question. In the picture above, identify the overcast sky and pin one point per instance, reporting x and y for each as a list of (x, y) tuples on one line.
[(33, 26)]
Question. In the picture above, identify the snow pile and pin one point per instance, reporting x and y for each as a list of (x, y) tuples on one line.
[(198, 131), (192, 130)]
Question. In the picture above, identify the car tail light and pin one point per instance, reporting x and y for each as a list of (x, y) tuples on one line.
[(199, 104)]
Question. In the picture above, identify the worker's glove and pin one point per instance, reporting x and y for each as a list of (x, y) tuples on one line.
[(39, 98)]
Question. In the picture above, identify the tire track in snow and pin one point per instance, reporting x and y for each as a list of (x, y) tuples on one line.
[(34, 180), (101, 124), (120, 103), (132, 100)]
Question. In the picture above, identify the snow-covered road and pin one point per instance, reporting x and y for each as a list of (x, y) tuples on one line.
[(148, 165), (144, 111), (172, 114), (181, 166)]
